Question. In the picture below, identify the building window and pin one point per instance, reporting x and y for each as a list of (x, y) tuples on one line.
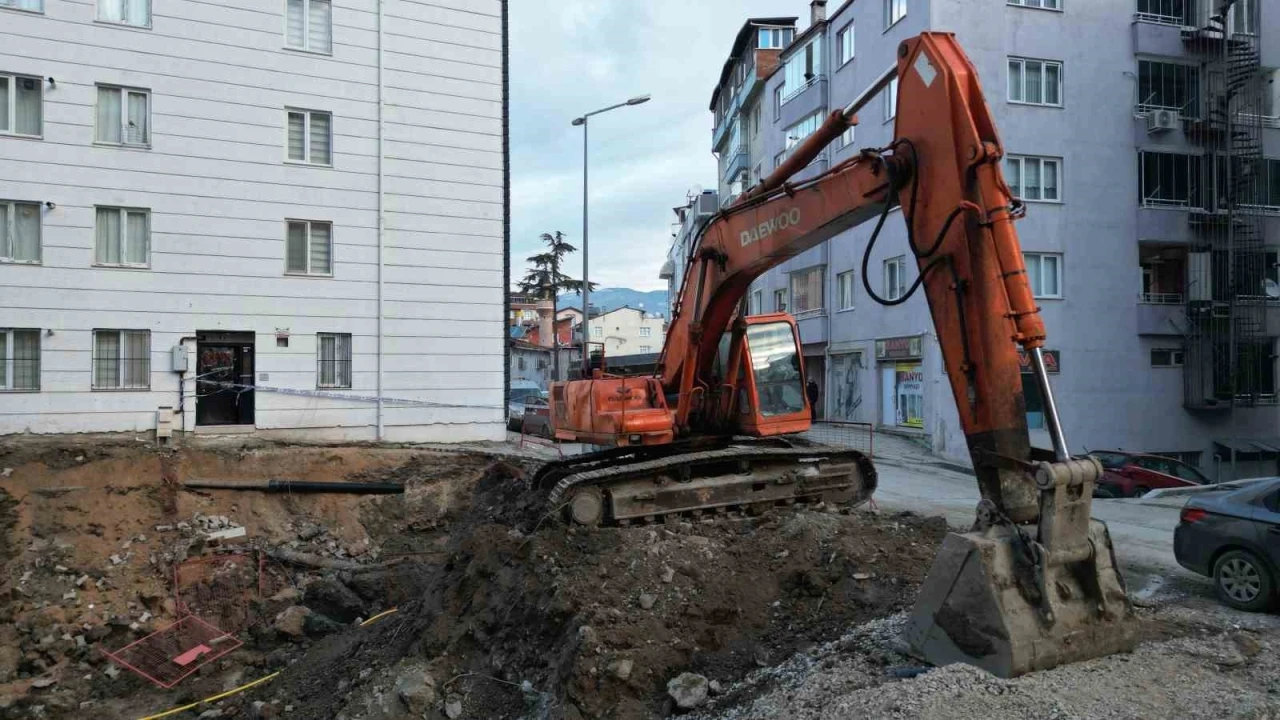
[(519, 360), (124, 116), (1035, 82), (1240, 17), (310, 248), (646, 348), (1170, 179), (801, 68), (797, 134), (125, 12), (894, 10), (333, 360), (1270, 189), (846, 137), (19, 232), (844, 45), (755, 120), (309, 25), (779, 300), (806, 290), (646, 332), (775, 38), (33, 5), (1044, 272), (20, 353), (1170, 12), (844, 290), (1168, 86), (597, 331), (895, 277), (1033, 178), (1045, 4), (310, 137), (123, 237), (20, 105), (121, 359), (777, 101), (891, 100), (754, 302), (1166, 357)]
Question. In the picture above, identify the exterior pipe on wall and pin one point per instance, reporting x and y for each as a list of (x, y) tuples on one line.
[(381, 220)]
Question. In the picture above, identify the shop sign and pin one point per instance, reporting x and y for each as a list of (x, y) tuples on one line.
[(898, 348), (1051, 362)]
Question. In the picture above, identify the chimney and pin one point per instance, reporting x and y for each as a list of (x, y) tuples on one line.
[(817, 11)]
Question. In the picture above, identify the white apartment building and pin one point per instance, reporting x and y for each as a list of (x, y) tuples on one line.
[(280, 217), (627, 331)]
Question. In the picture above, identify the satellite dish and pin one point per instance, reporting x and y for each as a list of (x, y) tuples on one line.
[(1273, 289)]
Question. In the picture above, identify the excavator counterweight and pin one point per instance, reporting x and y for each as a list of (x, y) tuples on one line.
[(1034, 584)]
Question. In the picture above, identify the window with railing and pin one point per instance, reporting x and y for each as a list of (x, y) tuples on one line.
[(20, 356), (1168, 86), (1168, 12), (802, 68), (1170, 180), (333, 360), (1163, 280), (121, 359)]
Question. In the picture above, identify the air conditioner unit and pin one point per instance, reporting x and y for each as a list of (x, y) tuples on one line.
[(707, 204), (1162, 121)]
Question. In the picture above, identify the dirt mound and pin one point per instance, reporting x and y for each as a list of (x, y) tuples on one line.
[(561, 623), (501, 611)]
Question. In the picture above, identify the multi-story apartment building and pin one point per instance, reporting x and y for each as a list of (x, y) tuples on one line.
[(1144, 138), (284, 217), (737, 102)]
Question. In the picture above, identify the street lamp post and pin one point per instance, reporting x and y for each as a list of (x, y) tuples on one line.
[(586, 282)]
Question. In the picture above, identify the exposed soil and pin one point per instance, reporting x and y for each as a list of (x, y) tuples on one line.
[(501, 613)]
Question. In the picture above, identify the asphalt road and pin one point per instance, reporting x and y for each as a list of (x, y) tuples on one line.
[(1142, 533)]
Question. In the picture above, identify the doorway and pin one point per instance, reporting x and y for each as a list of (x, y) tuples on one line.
[(224, 378)]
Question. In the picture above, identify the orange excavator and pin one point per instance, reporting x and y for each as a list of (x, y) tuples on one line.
[(1034, 583)]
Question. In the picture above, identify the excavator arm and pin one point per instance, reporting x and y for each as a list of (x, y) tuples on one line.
[(1034, 584)]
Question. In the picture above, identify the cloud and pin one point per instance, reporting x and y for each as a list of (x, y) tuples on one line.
[(574, 56)]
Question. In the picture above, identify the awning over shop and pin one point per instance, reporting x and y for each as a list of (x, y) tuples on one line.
[(1266, 447)]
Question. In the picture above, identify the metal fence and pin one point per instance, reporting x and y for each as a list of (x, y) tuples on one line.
[(851, 435)]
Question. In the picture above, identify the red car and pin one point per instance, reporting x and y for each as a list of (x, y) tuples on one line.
[(1134, 474)]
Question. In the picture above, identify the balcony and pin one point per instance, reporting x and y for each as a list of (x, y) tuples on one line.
[(813, 326), (735, 106), (1158, 35), (802, 101), (738, 160), (1161, 314)]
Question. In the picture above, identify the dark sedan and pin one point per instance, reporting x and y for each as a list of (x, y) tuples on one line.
[(1232, 534)]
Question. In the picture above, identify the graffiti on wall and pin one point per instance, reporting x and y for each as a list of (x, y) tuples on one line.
[(846, 387)]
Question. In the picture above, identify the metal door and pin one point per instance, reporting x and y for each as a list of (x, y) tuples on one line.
[(224, 384)]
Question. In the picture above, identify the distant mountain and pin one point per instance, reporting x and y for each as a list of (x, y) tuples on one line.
[(614, 298)]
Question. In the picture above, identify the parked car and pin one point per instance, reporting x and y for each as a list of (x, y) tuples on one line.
[(1134, 474), (1232, 534), (537, 416), (520, 390)]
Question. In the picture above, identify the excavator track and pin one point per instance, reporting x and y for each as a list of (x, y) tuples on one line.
[(616, 487)]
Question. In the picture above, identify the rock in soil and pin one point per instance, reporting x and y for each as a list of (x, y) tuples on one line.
[(292, 621), (330, 597), (688, 690)]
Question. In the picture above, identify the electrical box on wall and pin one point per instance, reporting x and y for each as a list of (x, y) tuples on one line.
[(179, 361)]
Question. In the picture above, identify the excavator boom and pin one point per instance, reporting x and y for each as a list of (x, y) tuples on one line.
[(1034, 584)]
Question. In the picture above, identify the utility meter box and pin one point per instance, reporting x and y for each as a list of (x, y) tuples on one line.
[(179, 361)]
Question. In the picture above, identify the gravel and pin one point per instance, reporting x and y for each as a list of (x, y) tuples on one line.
[(1227, 665)]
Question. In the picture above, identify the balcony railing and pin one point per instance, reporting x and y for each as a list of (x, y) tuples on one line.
[(1161, 298), (810, 82)]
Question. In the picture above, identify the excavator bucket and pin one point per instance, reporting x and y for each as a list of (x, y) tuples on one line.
[(1011, 603)]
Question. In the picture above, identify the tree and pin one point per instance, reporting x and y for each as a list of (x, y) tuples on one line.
[(544, 281)]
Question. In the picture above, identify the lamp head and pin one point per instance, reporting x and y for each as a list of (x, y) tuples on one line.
[(638, 100)]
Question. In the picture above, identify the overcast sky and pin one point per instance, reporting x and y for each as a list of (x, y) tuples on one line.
[(574, 56)]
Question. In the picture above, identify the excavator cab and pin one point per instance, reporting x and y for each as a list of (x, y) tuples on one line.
[(771, 387)]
